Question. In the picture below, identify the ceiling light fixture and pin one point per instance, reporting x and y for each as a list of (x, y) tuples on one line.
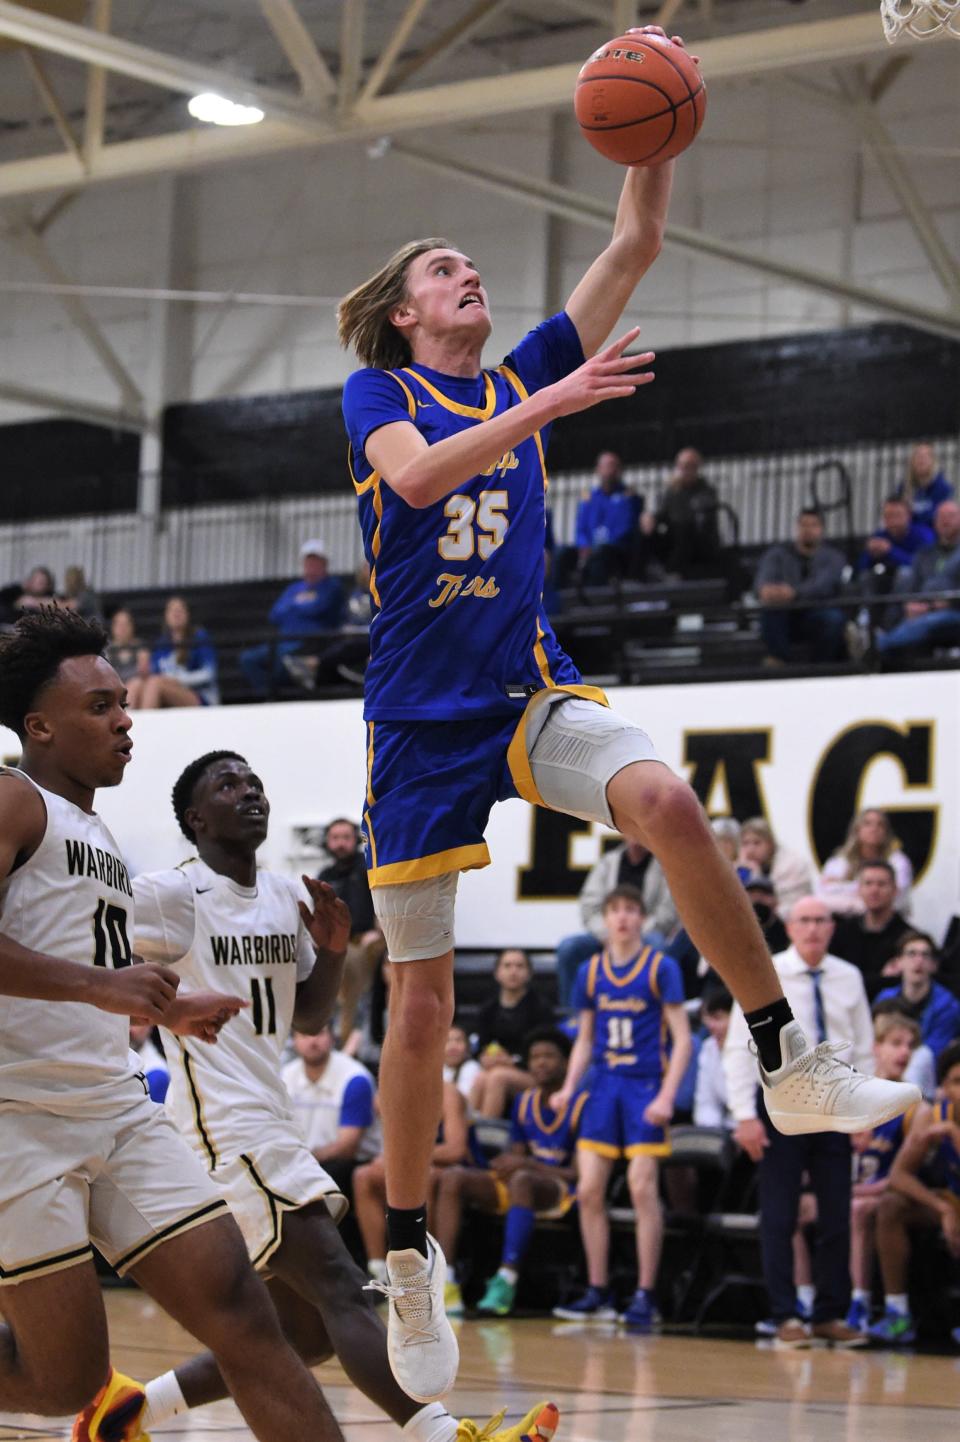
[(217, 110)]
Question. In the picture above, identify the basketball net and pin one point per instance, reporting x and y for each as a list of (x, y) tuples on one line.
[(919, 19)]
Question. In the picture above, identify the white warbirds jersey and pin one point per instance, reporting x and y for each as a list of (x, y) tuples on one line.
[(248, 941), (71, 899)]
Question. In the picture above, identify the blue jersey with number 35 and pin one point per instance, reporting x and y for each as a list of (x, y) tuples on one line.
[(457, 586), (629, 1033)]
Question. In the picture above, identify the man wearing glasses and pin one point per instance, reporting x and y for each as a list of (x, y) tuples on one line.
[(935, 1009), (828, 999)]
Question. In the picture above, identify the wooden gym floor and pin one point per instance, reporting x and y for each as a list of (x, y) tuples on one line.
[(610, 1387)]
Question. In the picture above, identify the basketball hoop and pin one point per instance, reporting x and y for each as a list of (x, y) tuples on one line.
[(919, 19)]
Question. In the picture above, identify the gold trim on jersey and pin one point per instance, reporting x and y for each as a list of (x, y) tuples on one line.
[(368, 822), (518, 759), (439, 863), (477, 413), (513, 379), (370, 796), (42, 1266), (626, 977), (193, 1219), (197, 1101)]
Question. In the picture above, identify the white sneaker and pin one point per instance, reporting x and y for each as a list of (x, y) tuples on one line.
[(421, 1345), (814, 1092)]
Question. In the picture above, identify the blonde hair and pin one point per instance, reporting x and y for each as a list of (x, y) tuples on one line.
[(889, 1021), (850, 850), (363, 316)]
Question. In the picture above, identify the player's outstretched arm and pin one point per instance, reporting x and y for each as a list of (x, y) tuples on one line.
[(328, 923), (598, 302), (422, 474)]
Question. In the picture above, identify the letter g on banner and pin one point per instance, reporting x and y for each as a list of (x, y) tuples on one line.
[(838, 785)]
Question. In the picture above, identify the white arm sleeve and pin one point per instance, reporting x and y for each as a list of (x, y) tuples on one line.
[(163, 916)]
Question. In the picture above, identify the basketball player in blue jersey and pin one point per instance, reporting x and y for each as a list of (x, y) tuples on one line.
[(629, 1003), (924, 1194), (469, 699), (535, 1176), (895, 1038)]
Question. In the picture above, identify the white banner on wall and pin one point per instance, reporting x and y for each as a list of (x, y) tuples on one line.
[(806, 753)]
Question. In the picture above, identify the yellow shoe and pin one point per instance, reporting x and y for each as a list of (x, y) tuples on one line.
[(539, 1425), (114, 1414), (452, 1299)]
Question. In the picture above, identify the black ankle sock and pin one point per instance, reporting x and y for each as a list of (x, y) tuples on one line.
[(407, 1227), (765, 1024)]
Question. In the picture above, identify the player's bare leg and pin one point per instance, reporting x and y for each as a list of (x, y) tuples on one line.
[(422, 1347), (594, 1222), (54, 1351), (642, 1180), (806, 1090), (204, 1280)]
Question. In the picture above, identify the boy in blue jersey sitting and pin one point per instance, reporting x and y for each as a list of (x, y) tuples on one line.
[(535, 1177), (895, 1038), (629, 999), (469, 699), (924, 1193)]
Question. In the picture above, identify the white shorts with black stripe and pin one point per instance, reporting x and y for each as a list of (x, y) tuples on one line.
[(124, 1184), (277, 1174)]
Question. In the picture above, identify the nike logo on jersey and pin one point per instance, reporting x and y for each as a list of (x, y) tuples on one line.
[(202, 890)]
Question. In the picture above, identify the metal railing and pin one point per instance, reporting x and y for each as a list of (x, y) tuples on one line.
[(196, 545)]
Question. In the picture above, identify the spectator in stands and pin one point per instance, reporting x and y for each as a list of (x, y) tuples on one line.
[(826, 996), (763, 898), (535, 1177), (935, 1009), (872, 939), (710, 1096), (333, 1100), (926, 486), (325, 663), (685, 532), (869, 838), (347, 877), (459, 1065), (311, 604), (153, 1063), (126, 652), (894, 1040), (182, 667), (895, 543), (791, 874), (39, 589), (804, 569), (78, 595), (924, 1195), (629, 1002), (365, 1042), (370, 1187), (502, 1025), (727, 831), (628, 864), (607, 531), (935, 572)]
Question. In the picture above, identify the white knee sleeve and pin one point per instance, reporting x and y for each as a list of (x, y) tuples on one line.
[(416, 917)]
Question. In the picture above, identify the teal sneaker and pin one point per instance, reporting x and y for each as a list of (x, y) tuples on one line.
[(498, 1299)]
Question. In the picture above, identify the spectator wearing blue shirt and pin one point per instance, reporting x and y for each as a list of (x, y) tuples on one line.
[(926, 487), (607, 533), (935, 571), (309, 605), (333, 1100), (935, 1009), (181, 670), (898, 540)]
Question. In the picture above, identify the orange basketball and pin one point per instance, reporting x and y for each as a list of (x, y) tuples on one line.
[(640, 100)]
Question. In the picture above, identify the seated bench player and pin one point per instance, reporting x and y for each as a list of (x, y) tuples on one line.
[(629, 997), (535, 1177), (924, 1194)]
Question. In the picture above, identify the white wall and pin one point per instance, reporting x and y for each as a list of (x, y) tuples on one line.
[(311, 756), (774, 170)]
